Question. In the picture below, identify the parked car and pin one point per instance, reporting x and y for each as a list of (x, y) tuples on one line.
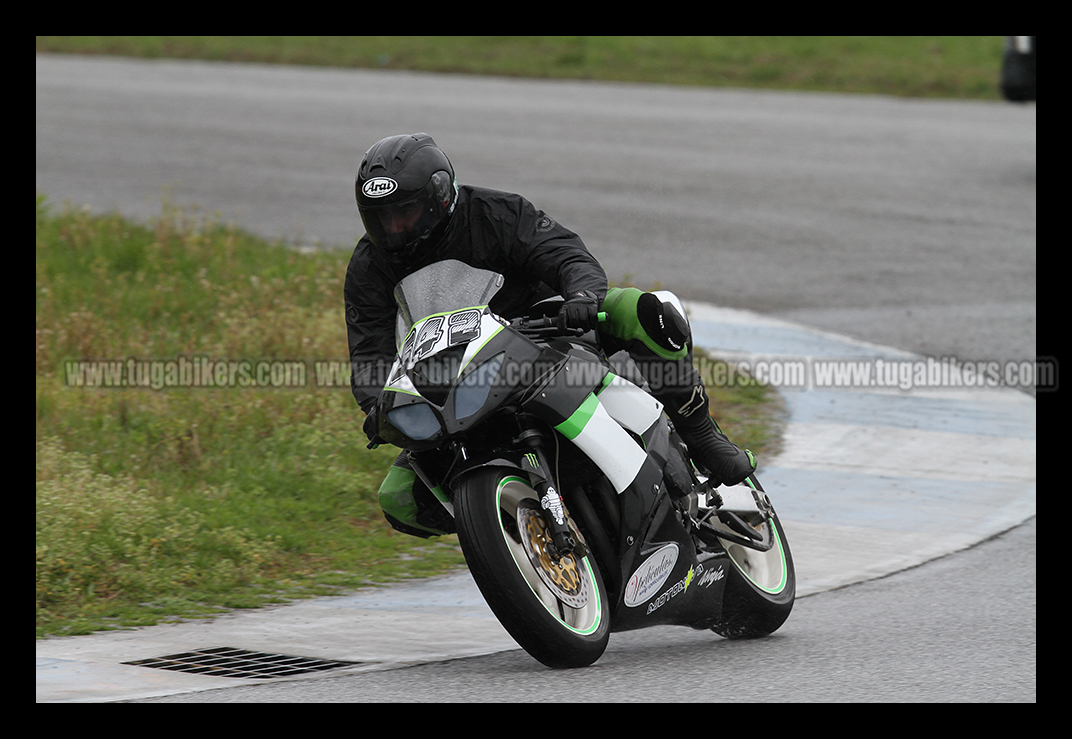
[(1018, 69)]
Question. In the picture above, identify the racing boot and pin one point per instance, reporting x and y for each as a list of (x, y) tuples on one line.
[(715, 455)]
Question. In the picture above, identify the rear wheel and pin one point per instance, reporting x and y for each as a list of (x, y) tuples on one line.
[(761, 583), (555, 608)]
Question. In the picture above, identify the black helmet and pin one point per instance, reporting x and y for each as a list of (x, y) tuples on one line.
[(405, 192)]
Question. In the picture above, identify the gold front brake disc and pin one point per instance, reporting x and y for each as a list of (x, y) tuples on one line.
[(562, 575)]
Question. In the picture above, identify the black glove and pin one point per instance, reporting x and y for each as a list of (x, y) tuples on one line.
[(372, 425), (581, 310)]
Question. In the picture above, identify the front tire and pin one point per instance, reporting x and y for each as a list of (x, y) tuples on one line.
[(557, 611)]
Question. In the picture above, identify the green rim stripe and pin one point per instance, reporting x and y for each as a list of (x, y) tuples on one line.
[(781, 552), (588, 565)]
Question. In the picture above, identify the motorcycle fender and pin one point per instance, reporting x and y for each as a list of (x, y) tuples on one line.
[(516, 463)]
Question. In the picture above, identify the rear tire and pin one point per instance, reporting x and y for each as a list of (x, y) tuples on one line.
[(557, 612), (760, 586)]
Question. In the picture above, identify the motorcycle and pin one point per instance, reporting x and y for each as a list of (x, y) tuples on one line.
[(576, 505)]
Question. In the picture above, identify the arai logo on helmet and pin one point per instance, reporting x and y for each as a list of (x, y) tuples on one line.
[(378, 187)]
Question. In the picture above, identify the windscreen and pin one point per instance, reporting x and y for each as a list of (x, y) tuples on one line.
[(441, 287)]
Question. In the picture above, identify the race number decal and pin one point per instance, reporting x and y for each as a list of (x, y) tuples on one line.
[(463, 326)]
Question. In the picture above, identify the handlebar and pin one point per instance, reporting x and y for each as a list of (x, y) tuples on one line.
[(548, 326)]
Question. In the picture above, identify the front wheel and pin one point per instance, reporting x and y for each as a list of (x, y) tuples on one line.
[(556, 609), (761, 585)]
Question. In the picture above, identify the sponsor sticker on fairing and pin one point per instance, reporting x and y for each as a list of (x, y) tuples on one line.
[(650, 576)]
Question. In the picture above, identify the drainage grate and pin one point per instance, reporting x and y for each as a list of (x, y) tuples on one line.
[(228, 662)]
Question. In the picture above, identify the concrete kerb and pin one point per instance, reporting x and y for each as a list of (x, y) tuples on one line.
[(871, 480), (874, 479)]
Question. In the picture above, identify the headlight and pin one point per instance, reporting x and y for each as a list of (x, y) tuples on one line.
[(471, 392), (434, 375), (417, 421)]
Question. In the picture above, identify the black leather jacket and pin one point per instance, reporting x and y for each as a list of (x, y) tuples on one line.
[(491, 230)]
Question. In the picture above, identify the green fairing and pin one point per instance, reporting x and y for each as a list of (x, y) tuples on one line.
[(572, 426), (396, 498)]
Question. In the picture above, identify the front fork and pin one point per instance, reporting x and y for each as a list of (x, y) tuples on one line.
[(541, 472)]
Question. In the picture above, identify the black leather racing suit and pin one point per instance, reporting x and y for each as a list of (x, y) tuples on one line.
[(493, 230)]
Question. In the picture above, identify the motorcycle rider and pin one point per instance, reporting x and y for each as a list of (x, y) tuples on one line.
[(414, 214)]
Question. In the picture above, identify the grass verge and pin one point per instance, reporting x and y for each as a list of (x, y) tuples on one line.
[(916, 66), (158, 501)]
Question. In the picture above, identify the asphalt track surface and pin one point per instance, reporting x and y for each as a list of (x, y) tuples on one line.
[(799, 227)]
